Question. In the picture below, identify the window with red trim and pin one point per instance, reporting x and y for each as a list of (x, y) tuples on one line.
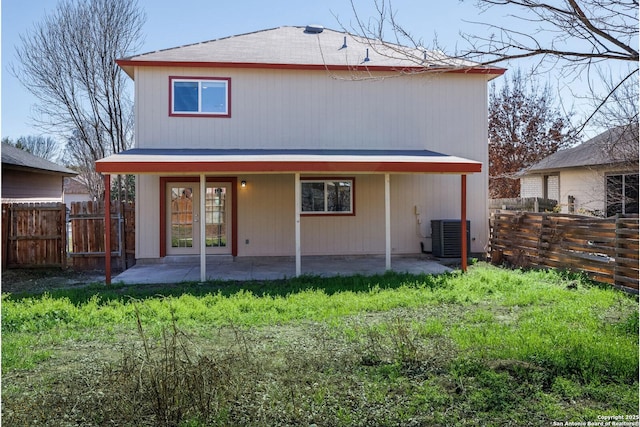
[(201, 96), (327, 196)]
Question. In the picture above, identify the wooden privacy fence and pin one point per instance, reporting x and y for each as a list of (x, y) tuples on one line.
[(45, 235), (86, 235), (33, 235), (605, 249)]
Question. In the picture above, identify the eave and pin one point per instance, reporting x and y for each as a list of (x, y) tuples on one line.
[(152, 161), (128, 66)]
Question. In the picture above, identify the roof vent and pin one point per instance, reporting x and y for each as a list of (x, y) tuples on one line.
[(314, 29)]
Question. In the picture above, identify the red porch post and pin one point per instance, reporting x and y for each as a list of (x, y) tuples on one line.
[(107, 229), (463, 220)]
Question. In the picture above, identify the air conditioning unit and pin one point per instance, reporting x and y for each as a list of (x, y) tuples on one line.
[(445, 234)]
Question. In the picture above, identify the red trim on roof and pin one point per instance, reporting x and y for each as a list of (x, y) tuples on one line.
[(318, 67), (282, 166)]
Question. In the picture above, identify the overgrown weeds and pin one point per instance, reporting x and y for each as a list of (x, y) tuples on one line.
[(169, 380), (490, 347)]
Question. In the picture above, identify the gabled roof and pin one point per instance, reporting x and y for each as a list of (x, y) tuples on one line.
[(608, 148), (15, 158), (304, 48)]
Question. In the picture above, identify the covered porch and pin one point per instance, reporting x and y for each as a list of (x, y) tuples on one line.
[(206, 164)]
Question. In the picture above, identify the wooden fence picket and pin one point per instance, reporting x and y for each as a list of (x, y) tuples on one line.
[(35, 235), (606, 249)]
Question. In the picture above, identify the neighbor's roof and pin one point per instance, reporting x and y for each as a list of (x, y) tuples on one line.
[(607, 148), (74, 185), (283, 161), (298, 48), (15, 158)]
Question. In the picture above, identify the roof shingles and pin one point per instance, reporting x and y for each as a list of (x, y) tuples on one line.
[(293, 46), (17, 158), (609, 147)]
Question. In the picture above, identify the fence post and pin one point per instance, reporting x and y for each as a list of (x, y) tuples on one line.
[(541, 233), (121, 237), (571, 200), (6, 215), (62, 225), (618, 254)]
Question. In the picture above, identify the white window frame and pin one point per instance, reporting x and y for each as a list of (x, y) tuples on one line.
[(326, 182), (200, 80)]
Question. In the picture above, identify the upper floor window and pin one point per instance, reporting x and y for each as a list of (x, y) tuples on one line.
[(327, 196), (200, 96)]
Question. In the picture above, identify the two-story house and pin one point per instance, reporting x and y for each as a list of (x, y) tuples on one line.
[(301, 141)]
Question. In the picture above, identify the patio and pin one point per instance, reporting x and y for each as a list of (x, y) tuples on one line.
[(187, 269)]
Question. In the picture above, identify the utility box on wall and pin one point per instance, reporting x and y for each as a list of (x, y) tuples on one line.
[(445, 234)]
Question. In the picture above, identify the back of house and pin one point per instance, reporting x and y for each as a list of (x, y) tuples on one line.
[(304, 140)]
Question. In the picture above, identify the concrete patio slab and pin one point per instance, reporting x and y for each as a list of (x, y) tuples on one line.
[(187, 269)]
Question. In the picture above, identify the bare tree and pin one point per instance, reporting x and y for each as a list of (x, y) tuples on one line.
[(45, 147), (618, 146), (79, 157), (524, 127), (67, 62), (620, 111), (577, 37)]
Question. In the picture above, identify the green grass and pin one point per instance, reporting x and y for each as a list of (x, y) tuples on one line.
[(489, 347)]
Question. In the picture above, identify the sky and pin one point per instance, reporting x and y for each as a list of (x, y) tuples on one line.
[(171, 24)]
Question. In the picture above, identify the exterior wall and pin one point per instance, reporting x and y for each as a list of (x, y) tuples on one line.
[(534, 186), (531, 186), (266, 215), (147, 216), (587, 186), (23, 186), (360, 234), (436, 197), (312, 109)]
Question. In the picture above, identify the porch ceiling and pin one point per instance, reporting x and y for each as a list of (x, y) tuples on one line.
[(151, 161)]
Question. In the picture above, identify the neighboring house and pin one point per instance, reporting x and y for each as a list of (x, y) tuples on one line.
[(303, 141), (598, 177), (27, 178), (75, 191)]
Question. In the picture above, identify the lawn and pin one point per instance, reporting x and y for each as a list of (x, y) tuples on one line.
[(489, 347)]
